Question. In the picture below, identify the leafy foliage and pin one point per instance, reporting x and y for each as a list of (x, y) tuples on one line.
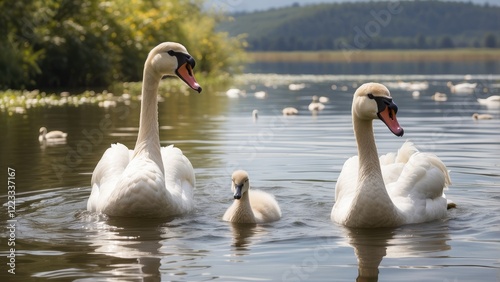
[(82, 43), (422, 24)]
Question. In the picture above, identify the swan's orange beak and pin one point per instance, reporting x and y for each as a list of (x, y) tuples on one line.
[(185, 72), (388, 116)]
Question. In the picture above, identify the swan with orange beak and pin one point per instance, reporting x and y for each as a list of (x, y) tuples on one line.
[(394, 189)]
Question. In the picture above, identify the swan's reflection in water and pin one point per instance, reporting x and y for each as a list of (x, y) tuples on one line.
[(128, 238), (153, 244), (372, 245)]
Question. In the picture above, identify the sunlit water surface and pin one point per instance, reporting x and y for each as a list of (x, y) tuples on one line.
[(297, 158)]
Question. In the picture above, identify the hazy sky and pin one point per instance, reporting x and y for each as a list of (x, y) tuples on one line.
[(252, 5)]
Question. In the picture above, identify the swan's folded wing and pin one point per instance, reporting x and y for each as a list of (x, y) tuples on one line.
[(423, 176), (418, 193), (179, 174), (392, 164), (113, 162), (348, 179)]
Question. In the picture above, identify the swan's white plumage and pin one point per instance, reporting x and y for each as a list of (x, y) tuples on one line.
[(149, 181), (406, 187), (462, 88), (492, 101), (254, 206), (137, 187)]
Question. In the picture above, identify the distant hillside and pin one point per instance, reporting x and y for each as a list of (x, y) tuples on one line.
[(370, 25)]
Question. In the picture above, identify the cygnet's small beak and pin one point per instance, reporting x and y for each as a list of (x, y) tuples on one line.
[(237, 191)]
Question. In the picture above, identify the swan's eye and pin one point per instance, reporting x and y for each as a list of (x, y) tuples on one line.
[(383, 103), (182, 58)]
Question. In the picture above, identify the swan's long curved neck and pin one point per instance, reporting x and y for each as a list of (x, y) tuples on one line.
[(148, 139), (367, 150), (371, 193)]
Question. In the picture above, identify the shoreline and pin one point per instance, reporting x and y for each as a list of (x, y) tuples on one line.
[(397, 55)]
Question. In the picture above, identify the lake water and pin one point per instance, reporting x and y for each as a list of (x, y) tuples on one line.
[(298, 159)]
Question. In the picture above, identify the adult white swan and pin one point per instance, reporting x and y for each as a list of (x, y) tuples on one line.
[(491, 102), (253, 206), (149, 181), (396, 189), (462, 88)]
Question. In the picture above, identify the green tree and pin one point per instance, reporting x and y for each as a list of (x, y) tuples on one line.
[(78, 43)]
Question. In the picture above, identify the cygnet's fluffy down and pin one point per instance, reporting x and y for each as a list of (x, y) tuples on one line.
[(250, 206)]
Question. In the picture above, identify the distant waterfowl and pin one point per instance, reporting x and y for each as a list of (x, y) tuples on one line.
[(492, 101), (290, 111), (18, 110), (409, 86), (51, 136), (477, 116), (149, 181), (462, 88), (439, 97), (260, 94), (398, 188), (315, 105), (235, 93), (296, 86), (250, 206), (107, 104), (255, 114), (414, 86), (415, 94), (323, 99), (418, 86)]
